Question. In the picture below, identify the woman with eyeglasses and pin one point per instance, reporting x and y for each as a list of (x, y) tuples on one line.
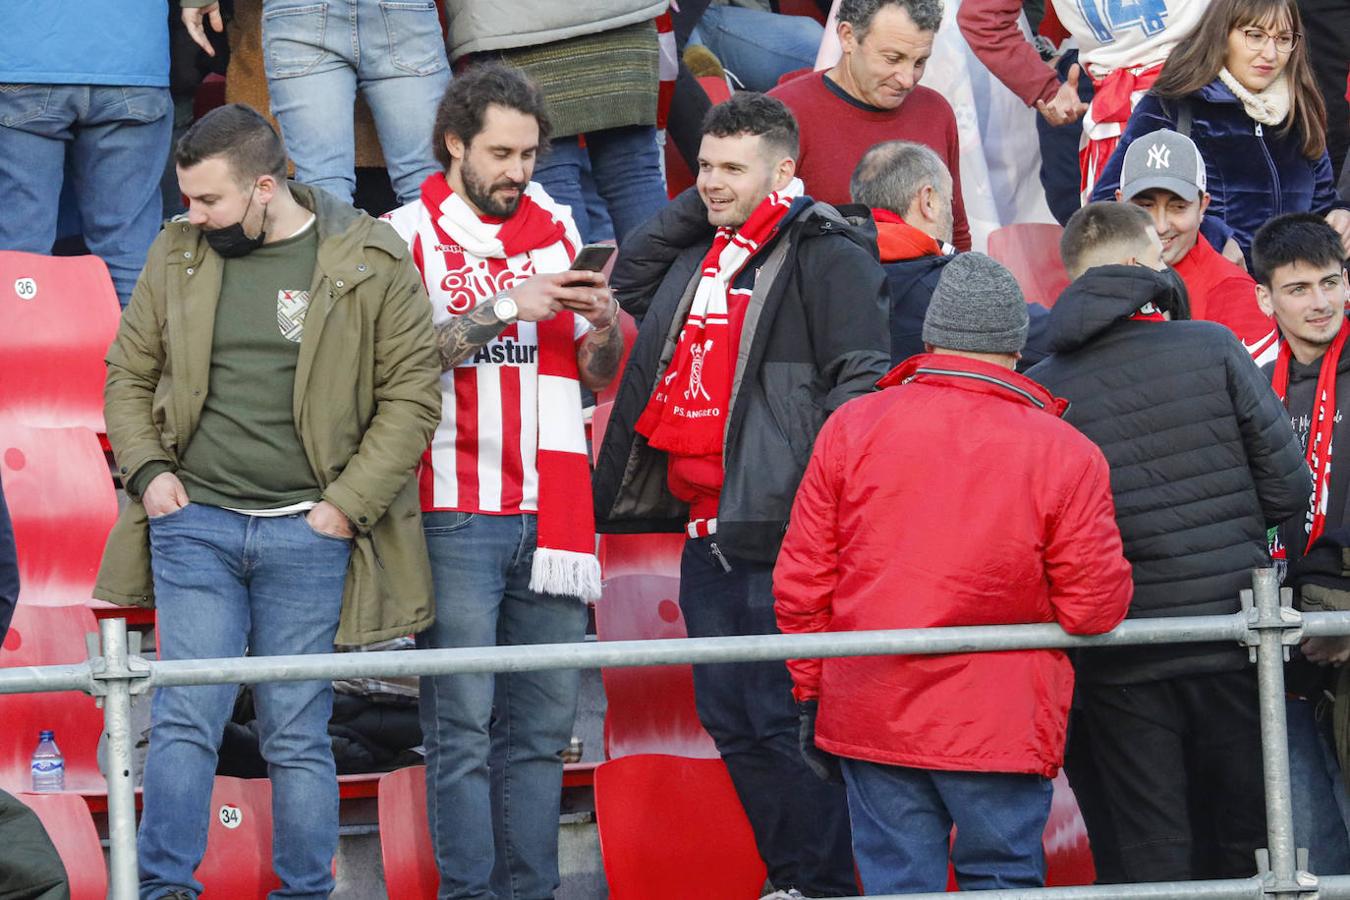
[(1241, 86)]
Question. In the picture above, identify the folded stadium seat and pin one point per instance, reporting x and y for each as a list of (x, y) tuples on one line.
[(238, 860), (60, 313), (405, 843), (1031, 252), (62, 503), (673, 828), (71, 828), (46, 636)]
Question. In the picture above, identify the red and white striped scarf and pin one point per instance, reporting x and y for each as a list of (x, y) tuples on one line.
[(1113, 99), (687, 412), (1320, 430), (564, 559)]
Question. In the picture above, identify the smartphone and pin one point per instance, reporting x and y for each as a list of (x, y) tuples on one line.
[(592, 257)]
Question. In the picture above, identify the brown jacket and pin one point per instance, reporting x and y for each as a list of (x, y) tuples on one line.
[(367, 399)]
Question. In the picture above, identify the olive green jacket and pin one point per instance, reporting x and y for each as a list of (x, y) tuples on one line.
[(367, 399)]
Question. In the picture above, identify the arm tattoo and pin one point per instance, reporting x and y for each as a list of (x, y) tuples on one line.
[(461, 337), (599, 357)]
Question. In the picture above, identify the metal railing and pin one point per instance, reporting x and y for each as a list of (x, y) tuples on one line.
[(1265, 625)]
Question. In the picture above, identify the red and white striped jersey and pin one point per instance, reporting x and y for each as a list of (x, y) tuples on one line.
[(482, 457)]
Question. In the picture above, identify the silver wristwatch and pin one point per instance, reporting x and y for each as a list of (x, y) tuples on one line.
[(505, 309)]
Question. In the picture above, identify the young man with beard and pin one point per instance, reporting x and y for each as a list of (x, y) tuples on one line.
[(1164, 175), (761, 313), (505, 484), (1202, 462), (1302, 282), (270, 389), (872, 95)]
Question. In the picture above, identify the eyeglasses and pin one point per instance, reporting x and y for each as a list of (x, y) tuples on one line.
[(1257, 38)]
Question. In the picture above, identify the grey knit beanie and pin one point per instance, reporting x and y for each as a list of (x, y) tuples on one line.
[(976, 306)]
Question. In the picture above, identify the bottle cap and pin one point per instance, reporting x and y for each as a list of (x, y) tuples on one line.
[(46, 735)]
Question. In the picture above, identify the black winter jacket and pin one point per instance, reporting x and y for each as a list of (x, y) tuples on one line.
[(9, 568), (815, 336), (1202, 458)]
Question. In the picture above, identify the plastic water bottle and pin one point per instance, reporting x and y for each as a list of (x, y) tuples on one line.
[(49, 767)]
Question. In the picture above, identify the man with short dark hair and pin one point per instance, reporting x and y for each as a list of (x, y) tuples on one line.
[(1164, 175), (1303, 283), (505, 484), (1202, 462), (761, 312), (909, 191), (883, 536), (873, 95), (271, 387)]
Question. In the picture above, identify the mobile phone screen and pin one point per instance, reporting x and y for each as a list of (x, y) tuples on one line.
[(592, 258)]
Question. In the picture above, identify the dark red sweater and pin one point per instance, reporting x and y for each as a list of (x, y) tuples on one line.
[(836, 130)]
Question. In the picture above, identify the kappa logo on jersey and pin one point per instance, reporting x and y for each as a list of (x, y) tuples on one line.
[(468, 284), (291, 309), (1159, 157)]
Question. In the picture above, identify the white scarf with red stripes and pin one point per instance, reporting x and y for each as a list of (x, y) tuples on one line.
[(564, 558)]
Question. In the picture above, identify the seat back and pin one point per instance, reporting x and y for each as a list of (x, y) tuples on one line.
[(673, 828), (59, 314), (62, 503), (1031, 252), (71, 828), (405, 840), (47, 636), (238, 860), (648, 709)]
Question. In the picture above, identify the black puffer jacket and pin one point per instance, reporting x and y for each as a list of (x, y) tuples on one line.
[(1202, 457), (815, 336)]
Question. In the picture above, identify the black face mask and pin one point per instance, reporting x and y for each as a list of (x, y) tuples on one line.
[(231, 242)]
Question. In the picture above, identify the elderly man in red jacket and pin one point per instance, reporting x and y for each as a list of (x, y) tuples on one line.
[(955, 496)]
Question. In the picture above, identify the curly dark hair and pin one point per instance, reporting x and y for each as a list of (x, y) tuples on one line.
[(927, 14), (1294, 238), (758, 114), (464, 106)]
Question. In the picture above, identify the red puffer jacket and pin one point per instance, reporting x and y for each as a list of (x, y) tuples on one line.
[(956, 496)]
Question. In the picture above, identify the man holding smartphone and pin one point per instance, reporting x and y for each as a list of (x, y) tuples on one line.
[(505, 485)]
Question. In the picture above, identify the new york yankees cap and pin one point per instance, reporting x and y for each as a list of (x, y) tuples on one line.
[(1163, 159)]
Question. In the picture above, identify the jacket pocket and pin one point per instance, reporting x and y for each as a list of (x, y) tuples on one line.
[(415, 42), (293, 39), (20, 103), (146, 104), (795, 405)]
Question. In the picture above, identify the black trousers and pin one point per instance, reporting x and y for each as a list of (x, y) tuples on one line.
[(1179, 763), (800, 823)]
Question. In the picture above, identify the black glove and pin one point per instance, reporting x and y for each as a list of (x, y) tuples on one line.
[(824, 765)]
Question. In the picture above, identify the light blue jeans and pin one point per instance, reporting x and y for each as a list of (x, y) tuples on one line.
[(758, 47), (117, 140), (1321, 808), (318, 53), (494, 742), (625, 164), (226, 583)]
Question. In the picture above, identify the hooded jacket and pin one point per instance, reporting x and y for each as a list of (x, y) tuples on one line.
[(814, 337), (929, 504), (1203, 460), (366, 401), (1253, 172)]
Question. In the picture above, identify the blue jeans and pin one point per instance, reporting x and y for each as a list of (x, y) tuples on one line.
[(800, 823), (1321, 808), (902, 822), (626, 165), (1060, 172), (226, 583), (117, 139), (318, 53), (758, 47), (494, 743)]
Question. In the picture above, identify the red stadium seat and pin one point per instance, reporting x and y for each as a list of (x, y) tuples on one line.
[(673, 828), (238, 860), (62, 503), (45, 636), (649, 709), (71, 828), (405, 843), (59, 314), (1031, 253)]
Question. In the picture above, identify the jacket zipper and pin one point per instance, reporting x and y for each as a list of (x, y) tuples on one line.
[(1274, 173), (985, 378), (716, 552)]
